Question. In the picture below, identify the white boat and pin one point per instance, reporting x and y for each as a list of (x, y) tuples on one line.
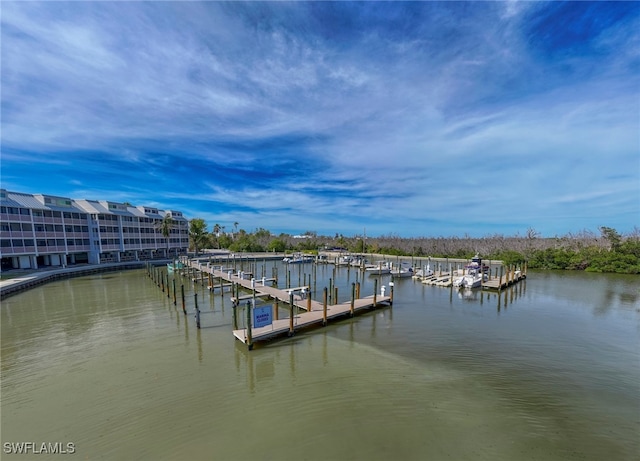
[(404, 270), (426, 271), (382, 268), (298, 258), (473, 274), (345, 260), (358, 262), (473, 280)]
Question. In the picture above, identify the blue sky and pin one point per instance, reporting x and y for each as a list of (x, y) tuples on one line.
[(413, 119)]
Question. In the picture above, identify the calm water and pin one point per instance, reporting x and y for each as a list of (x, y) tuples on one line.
[(549, 370)]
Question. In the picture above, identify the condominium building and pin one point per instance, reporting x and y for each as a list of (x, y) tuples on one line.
[(45, 230)]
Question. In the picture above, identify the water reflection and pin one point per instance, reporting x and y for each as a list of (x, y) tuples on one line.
[(552, 379)]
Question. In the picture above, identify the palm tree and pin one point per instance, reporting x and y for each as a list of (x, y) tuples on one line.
[(235, 224), (216, 232), (165, 226)]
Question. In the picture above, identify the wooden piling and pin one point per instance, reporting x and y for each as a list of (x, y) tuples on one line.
[(353, 297), (195, 298), (315, 276), (375, 293), (175, 301), (291, 313), (184, 307), (324, 306), (249, 337), (275, 308)]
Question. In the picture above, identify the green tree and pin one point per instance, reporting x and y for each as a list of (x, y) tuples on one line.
[(277, 245), (165, 227), (612, 236), (197, 233), (224, 241)]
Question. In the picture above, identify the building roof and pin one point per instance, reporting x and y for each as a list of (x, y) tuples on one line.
[(37, 202)]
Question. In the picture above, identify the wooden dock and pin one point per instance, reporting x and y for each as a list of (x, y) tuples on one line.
[(510, 276), (315, 317), (317, 313), (499, 283)]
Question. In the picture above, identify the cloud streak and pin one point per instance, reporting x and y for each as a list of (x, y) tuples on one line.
[(407, 118)]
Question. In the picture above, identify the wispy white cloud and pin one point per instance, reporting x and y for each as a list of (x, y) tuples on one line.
[(397, 115)]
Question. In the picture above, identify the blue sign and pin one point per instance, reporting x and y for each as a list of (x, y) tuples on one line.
[(262, 316)]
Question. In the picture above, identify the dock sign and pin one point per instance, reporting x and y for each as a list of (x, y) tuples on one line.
[(262, 316)]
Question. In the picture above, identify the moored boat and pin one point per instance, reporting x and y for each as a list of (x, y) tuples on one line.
[(381, 268), (403, 270), (175, 265), (298, 258), (423, 272)]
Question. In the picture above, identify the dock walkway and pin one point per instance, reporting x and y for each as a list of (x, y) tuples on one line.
[(315, 310)]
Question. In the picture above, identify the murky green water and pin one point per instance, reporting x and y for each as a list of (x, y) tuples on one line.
[(547, 371)]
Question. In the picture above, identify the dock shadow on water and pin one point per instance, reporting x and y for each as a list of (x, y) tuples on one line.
[(114, 367)]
